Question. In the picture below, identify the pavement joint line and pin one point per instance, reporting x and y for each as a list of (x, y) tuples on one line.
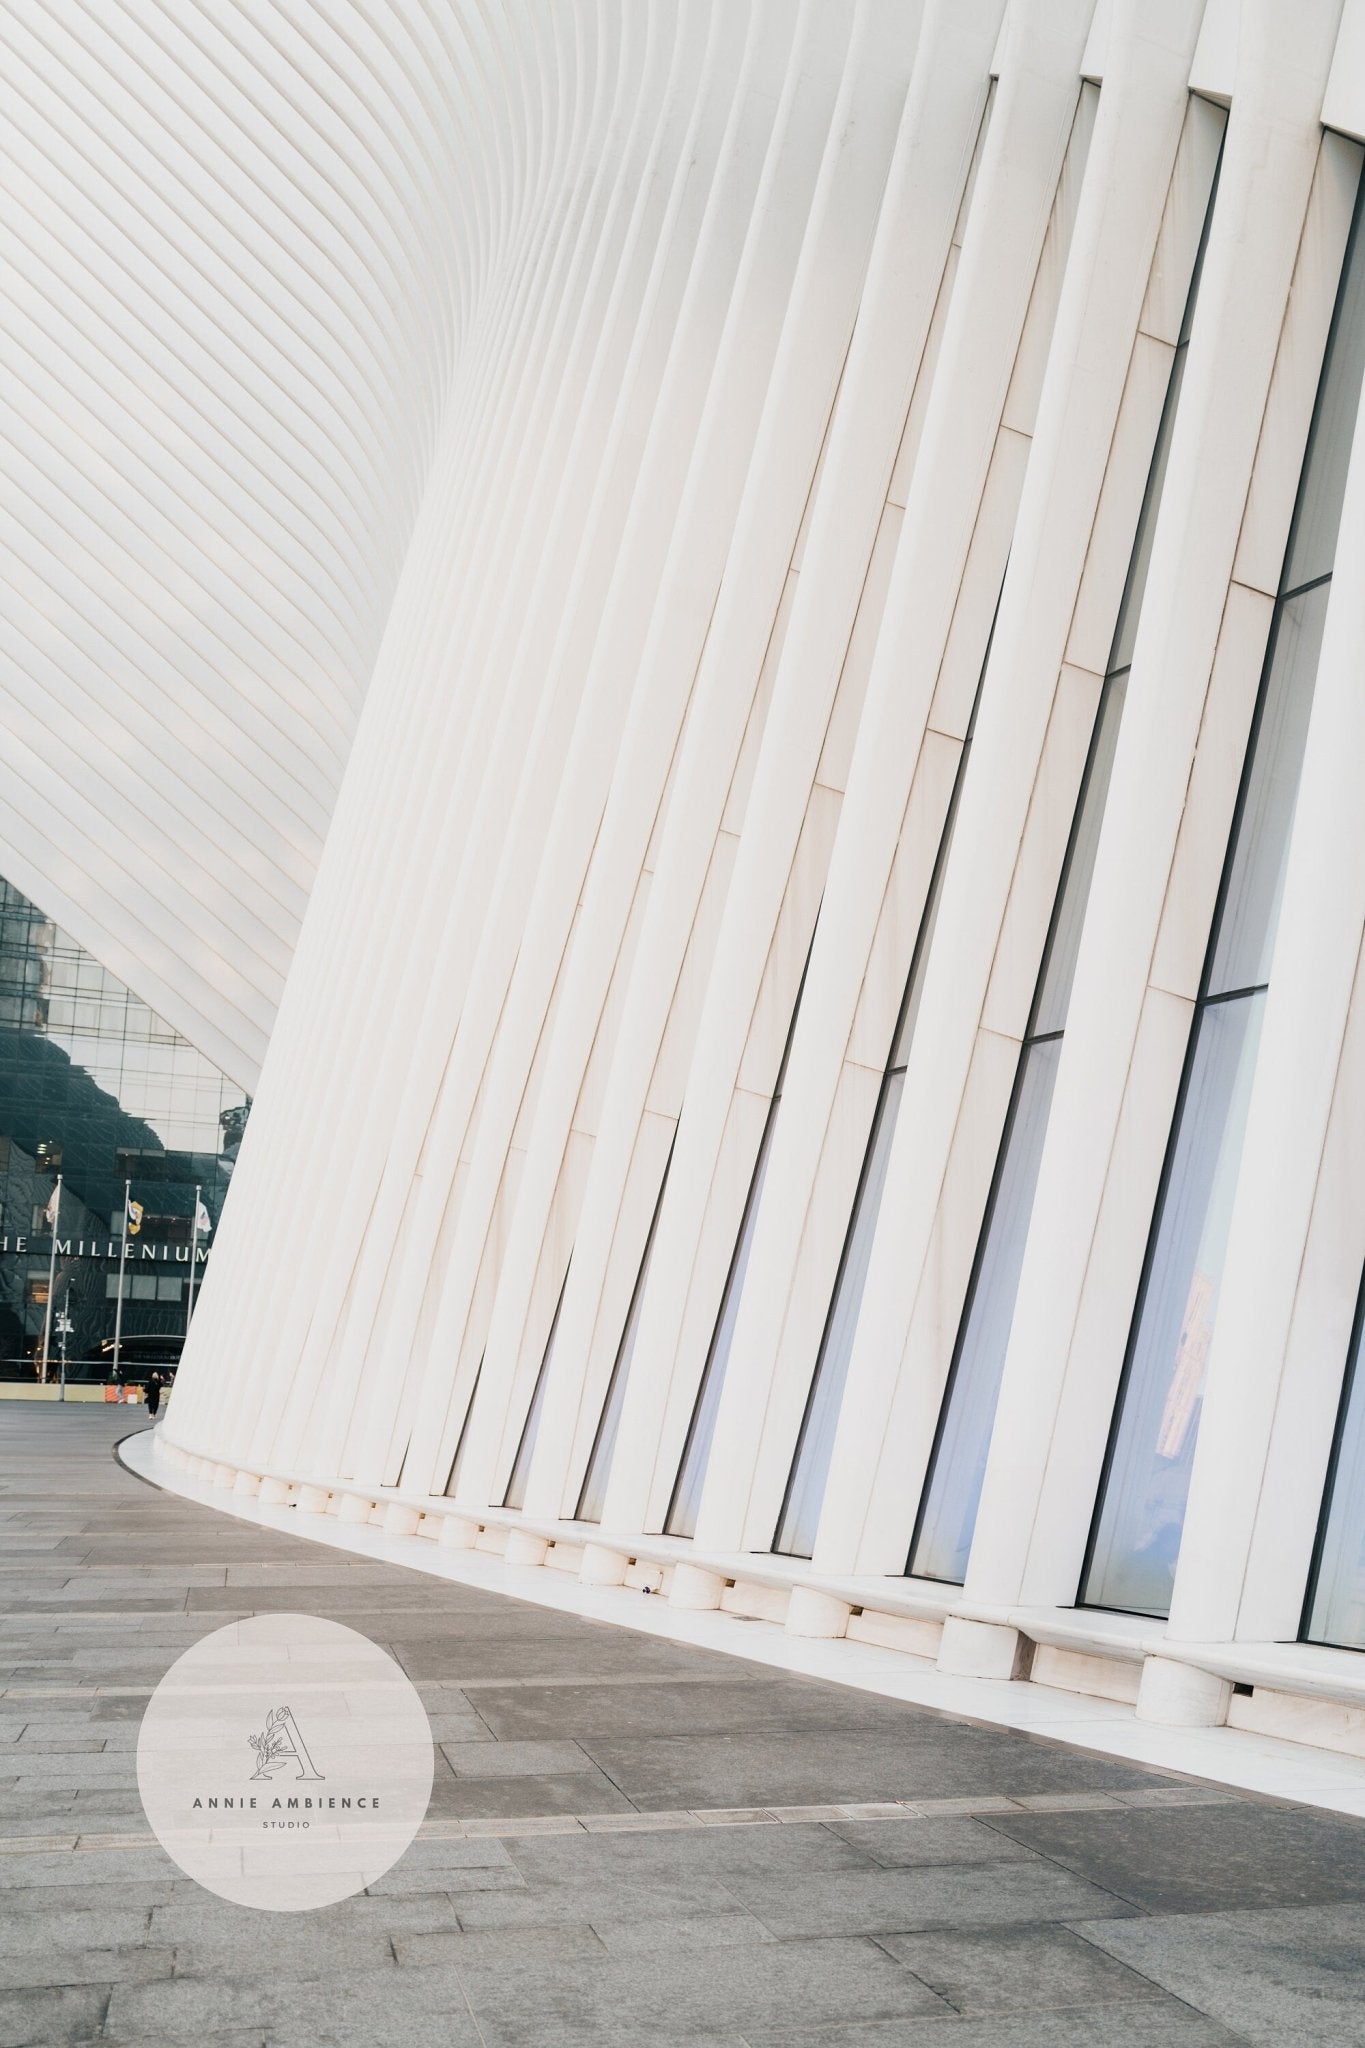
[(78, 1692), (669, 1820)]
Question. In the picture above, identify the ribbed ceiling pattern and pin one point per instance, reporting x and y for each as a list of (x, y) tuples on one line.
[(250, 255)]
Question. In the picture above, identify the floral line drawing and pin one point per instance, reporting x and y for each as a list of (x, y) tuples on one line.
[(280, 1743)]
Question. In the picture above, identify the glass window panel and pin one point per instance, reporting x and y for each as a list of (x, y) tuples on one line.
[(1250, 908), (924, 938), (1125, 635), (1142, 1512), (957, 1469), (1130, 610), (1313, 541), (1336, 1608), (682, 1512), (1068, 918), (515, 1496), (953, 1489), (682, 1509), (810, 1465), (453, 1481), (810, 1468), (905, 1030), (594, 1493)]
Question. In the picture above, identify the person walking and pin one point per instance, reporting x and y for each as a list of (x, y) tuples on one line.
[(153, 1393)]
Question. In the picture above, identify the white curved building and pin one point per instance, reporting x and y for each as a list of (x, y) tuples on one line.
[(824, 1064)]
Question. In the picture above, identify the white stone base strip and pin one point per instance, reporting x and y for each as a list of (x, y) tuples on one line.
[(1249, 1761)]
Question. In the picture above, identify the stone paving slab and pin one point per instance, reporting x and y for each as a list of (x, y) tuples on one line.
[(979, 1970), (631, 1844), (841, 1764), (1183, 1861), (1151, 2026), (1273, 1977), (821, 1980)]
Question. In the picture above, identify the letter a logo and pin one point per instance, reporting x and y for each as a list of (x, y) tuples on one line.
[(281, 1743)]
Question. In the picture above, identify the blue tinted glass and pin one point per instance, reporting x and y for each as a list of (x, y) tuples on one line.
[(1053, 998), (453, 1482), (682, 1513), (810, 1469), (593, 1497), (953, 1491), (515, 1496), (1336, 1611), (1137, 1536), (1313, 543), (687, 1487), (1125, 635), (1136, 1539), (94, 1085), (1260, 848)]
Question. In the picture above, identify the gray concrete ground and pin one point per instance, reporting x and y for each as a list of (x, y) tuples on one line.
[(606, 1892)]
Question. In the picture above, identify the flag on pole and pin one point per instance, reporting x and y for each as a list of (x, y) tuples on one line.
[(53, 1206), (203, 1222), (134, 1217)]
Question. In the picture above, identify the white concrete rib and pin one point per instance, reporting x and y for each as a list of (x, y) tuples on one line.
[(536, 486)]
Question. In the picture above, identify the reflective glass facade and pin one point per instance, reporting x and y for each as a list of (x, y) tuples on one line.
[(1335, 1611), (453, 1481), (515, 1496), (952, 1493), (96, 1087), (686, 1500), (592, 1498), (805, 1495), (1135, 1541)]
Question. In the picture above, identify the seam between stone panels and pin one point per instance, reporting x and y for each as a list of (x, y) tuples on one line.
[(963, 1808)]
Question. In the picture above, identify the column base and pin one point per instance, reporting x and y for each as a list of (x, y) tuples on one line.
[(457, 1534), (603, 1567), (247, 1483), (983, 1649), (274, 1493), (352, 1507), (524, 1548), (312, 1500), (1182, 1696), (816, 1614), (694, 1587), (400, 1520)]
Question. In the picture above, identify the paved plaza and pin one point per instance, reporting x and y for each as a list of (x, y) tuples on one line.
[(631, 1843)]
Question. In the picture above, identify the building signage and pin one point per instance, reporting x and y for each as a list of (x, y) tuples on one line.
[(110, 1248)]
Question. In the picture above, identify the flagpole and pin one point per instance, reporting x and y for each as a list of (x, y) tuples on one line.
[(51, 1273), (194, 1254), (122, 1258)]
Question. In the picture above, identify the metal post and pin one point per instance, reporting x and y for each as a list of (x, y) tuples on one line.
[(194, 1254), (122, 1260), (51, 1273)]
